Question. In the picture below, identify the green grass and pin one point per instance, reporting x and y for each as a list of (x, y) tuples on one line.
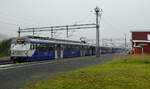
[(122, 73), (4, 58)]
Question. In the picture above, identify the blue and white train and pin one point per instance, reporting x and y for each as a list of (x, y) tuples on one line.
[(33, 48)]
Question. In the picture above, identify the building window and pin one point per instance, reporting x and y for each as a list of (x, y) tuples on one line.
[(148, 37)]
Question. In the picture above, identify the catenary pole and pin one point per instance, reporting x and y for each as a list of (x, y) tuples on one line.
[(19, 32), (97, 10)]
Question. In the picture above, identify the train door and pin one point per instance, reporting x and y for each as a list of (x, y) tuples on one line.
[(82, 51), (93, 50), (90, 49), (58, 52)]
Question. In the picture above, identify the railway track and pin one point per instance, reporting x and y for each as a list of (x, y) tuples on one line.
[(4, 62)]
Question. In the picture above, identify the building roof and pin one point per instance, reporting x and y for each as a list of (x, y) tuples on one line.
[(141, 31), (143, 41)]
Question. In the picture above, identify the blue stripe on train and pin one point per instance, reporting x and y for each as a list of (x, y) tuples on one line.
[(42, 55), (93, 52), (76, 53), (70, 53), (87, 52), (67, 53)]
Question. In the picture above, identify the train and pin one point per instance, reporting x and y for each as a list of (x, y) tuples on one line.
[(34, 48)]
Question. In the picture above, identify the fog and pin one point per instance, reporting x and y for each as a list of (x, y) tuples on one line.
[(119, 17)]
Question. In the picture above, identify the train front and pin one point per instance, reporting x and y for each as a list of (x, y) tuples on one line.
[(19, 50)]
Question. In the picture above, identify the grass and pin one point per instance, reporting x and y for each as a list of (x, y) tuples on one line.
[(6, 58), (131, 72)]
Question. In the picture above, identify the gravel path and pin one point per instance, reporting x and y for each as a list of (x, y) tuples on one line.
[(22, 75)]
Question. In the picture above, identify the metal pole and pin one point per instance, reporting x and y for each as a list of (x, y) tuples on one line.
[(125, 41), (51, 32), (67, 31), (19, 32), (97, 32), (33, 31)]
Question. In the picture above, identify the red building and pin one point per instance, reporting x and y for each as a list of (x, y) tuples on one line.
[(141, 42)]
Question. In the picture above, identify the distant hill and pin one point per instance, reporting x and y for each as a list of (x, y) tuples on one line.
[(3, 37)]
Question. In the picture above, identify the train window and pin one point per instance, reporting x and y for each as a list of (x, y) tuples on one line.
[(45, 47), (75, 47), (41, 47), (34, 46), (85, 47), (31, 46), (51, 47), (67, 47), (64, 47), (79, 48)]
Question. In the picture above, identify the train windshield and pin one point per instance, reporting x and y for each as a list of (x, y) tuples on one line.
[(20, 46)]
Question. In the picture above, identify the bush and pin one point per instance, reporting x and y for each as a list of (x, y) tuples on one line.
[(5, 48)]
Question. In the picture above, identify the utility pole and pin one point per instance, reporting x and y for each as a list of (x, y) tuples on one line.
[(19, 32), (67, 31), (33, 31), (97, 10), (51, 32), (125, 39)]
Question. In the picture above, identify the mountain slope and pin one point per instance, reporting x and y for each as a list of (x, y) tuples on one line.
[(5, 47)]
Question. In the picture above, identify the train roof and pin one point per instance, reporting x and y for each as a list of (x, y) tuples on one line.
[(53, 40)]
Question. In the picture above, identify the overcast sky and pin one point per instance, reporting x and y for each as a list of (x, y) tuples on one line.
[(118, 18)]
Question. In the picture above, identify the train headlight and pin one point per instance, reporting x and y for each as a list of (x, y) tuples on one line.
[(26, 52)]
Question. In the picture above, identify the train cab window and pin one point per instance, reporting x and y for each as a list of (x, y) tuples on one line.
[(34, 46), (31, 46)]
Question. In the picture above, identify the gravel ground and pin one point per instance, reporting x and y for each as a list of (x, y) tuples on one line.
[(22, 75)]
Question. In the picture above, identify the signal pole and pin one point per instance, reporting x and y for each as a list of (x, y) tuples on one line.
[(97, 10)]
